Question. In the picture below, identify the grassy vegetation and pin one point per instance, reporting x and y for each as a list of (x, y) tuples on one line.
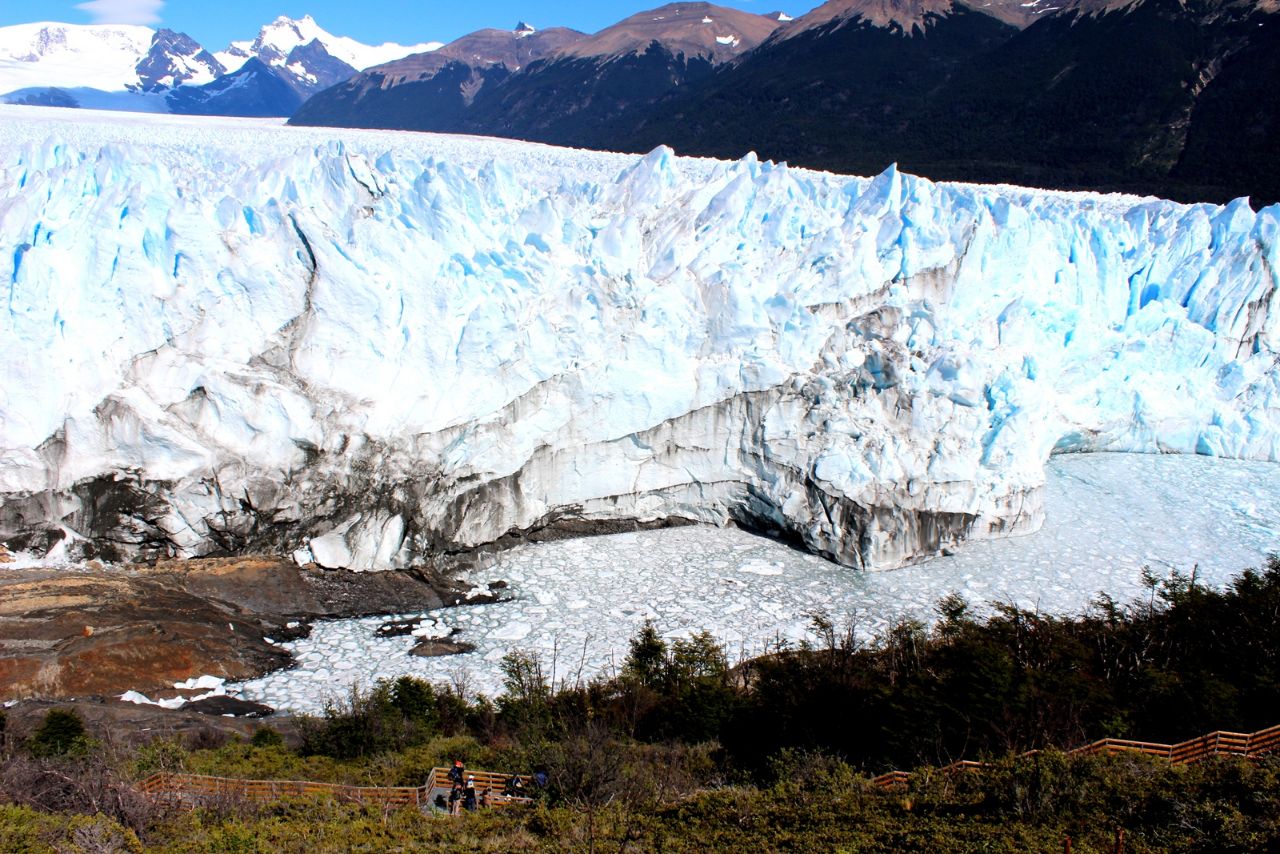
[(681, 752), (1031, 804)]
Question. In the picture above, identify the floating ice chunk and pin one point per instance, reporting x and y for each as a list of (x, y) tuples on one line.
[(513, 631), (200, 683), (431, 629), (760, 567)]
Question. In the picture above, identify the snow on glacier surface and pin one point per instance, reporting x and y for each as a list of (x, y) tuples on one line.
[(578, 602), (361, 346)]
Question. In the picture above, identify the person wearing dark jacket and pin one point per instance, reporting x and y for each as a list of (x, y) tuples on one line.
[(469, 795)]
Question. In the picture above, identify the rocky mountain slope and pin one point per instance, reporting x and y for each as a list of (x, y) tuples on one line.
[(363, 352), (628, 66), (556, 94), (434, 91), (253, 89)]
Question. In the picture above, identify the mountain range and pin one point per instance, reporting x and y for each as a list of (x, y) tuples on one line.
[(141, 69), (564, 85), (1168, 97)]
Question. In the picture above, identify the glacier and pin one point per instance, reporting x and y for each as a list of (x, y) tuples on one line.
[(368, 348)]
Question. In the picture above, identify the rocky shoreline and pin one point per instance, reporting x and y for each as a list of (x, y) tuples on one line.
[(98, 631)]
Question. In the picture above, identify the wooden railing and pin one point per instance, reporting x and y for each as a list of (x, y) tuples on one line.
[(1221, 743), (490, 785), (200, 787), (194, 789)]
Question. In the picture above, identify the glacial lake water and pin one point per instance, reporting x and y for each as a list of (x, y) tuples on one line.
[(576, 603)]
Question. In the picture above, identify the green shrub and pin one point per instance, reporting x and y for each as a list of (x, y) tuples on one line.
[(159, 754), (61, 733), (265, 736), (30, 832)]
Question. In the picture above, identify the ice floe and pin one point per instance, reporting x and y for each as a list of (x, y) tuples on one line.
[(576, 603)]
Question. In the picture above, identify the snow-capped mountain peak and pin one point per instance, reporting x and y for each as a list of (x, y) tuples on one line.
[(140, 69), (70, 55), (105, 66), (175, 59), (277, 40), (285, 33)]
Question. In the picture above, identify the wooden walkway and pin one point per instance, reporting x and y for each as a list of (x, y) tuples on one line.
[(200, 789), (1247, 745), (192, 790)]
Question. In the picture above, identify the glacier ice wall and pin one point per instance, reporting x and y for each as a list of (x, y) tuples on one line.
[(366, 347)]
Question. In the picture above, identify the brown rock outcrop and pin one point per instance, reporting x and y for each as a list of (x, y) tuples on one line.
[(68, 633)]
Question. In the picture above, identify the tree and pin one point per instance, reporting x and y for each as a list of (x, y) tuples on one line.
[(526, 698), (59, 734), (647, 659)]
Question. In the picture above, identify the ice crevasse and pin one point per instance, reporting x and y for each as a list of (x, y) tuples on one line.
[(366, 351)]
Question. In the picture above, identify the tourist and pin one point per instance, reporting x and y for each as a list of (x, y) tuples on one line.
[(457, 772), (469, 795), (455, 798), (515, 787)]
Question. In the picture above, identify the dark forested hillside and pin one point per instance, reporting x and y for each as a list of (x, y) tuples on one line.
[(567, 101), (432, 91), (1162, 97), (1172, 98), (848, 96)]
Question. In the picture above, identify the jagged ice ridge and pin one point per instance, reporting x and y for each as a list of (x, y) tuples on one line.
[(363, 347)]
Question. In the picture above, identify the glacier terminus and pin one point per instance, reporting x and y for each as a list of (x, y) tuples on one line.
[(364, 348)]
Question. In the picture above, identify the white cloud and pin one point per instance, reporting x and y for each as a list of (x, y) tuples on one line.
[(124, 11)]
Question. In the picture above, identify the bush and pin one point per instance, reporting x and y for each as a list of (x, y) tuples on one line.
[(159, 754), (266, 737), (60, 733)]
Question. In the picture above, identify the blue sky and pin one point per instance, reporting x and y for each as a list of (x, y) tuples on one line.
[(214, 23)]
